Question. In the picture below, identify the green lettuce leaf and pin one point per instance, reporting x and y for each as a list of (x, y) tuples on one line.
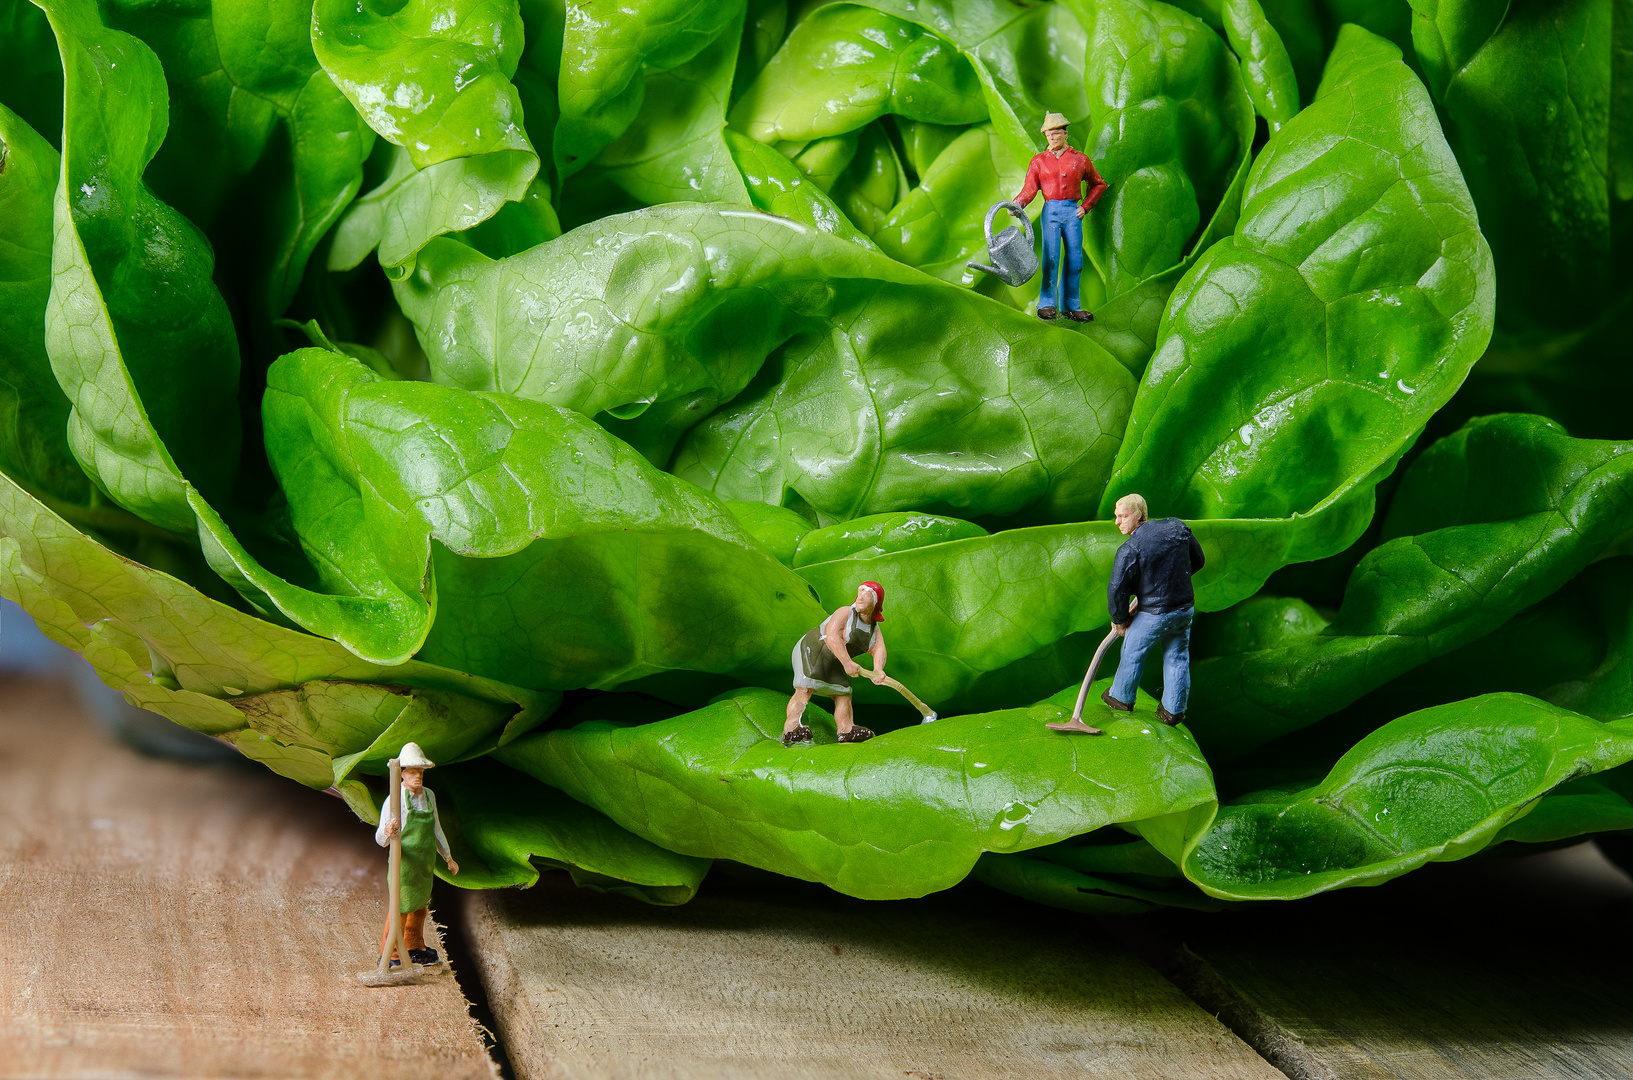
[(1486, 523), (1028, 59), (902, 815), (33, 410), (1525, 93), (1095, 874), (503, 826), (170, 649), (925, 397), (983, 620), (138, 335), (940, 225), (1267, 70), (508, 537), (844, 66), (1173, 127), (1301, 356), (608, 53), (674, 149), (28, 55), (778, 186), (263, 152), (433, 80), (1434, 786)]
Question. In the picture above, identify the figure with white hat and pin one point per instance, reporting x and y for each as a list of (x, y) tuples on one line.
[(1060, 173), (422, 840)]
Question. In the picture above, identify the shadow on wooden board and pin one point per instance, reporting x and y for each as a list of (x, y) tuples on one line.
[(1508, 965), (759, 977)]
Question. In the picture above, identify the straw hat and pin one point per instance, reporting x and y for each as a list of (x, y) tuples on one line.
[(1054, 120), (412, 757)]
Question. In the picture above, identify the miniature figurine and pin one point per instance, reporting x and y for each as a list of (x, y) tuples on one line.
[(823, 664), (415, 821), (1154, 565), (1060, 173)]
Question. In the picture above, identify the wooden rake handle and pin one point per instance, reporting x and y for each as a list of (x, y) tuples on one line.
[(924, 710)]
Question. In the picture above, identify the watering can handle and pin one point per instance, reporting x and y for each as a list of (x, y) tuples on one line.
[(1013, 208)]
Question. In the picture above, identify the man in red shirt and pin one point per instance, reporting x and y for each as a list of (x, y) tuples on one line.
[(1060, 172)]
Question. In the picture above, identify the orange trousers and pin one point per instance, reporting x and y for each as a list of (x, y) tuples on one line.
[(413, 932)]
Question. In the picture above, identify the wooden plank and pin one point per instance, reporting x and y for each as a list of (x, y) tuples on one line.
[(177, 920), (1489, 969), (759, 978)]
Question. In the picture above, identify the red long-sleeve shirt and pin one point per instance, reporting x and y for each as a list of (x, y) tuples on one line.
[(1062, 178)]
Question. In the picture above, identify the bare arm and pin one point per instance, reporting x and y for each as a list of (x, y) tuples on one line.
[(833, 636), (878, 654), (442, 840)]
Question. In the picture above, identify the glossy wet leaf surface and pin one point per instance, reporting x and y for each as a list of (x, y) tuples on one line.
[(903, 814), (1301, 355), (1484, 524)]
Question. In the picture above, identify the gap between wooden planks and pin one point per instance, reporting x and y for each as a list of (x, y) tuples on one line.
[(761, 978), (1507, 965), (182, 920)]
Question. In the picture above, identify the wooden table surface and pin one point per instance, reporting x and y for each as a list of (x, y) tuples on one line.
[(187, 920)]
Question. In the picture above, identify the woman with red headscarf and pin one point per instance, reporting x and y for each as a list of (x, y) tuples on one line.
[(823, 664)]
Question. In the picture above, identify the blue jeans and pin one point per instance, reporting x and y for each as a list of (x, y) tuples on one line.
[(1173, 630), (1061, 225)]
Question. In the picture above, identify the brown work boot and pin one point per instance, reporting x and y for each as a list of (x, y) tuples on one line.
[(800, 736), (1114, 703), (857, 733), (1080, 316), (1047, 313), (1169, 718)]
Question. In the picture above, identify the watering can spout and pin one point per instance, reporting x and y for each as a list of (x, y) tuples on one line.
[(993, 270)]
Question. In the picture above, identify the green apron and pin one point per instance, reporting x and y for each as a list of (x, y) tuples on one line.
[(419, 857)]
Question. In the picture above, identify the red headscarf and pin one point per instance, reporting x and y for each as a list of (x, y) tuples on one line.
[(879, 599)]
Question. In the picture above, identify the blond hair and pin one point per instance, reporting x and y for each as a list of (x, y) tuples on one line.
[(1135, 503)]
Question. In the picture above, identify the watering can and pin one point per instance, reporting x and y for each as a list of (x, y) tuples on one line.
[(1013, 260)]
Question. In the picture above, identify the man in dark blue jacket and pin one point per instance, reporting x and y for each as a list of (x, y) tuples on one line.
[(1154, 565)]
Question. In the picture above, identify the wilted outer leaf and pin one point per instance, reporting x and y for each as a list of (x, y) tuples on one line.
[(903, 815), (1486, 523), (170, 649), (1299, 357)]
